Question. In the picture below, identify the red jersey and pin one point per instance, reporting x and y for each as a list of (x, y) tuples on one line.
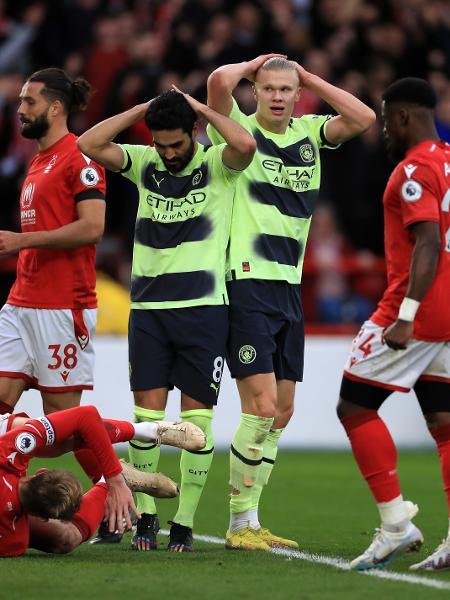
[(20, 445), (57, 179), (418, 190)]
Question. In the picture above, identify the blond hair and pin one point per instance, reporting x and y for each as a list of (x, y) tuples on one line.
[(278, 63), (54, 494)]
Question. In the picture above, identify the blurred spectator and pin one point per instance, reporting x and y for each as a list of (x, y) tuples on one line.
[(330, 255)]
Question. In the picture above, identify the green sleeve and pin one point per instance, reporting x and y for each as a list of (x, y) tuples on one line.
[(132, 160), (235, 114), (317, 129), (227, 174)]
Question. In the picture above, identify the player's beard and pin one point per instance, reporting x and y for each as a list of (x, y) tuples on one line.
[(178, 165), (34, 130)]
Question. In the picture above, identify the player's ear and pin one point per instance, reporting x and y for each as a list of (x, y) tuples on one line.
[(195, 130), (254, 92), (57, 107), (403, 115)]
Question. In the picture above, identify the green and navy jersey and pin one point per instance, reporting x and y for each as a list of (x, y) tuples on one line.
[(182, 228), (275, 198)]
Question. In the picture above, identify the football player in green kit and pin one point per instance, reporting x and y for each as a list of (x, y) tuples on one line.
[(179, 304), (272, 211)]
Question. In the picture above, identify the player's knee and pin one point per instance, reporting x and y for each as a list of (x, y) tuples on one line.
[(435, 420), (283, 416), (264, 404), (345, 408)]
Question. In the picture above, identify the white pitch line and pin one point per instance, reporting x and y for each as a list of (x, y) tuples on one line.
[(339, 563)]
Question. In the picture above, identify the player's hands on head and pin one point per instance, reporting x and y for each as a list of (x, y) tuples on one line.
[(118, 504), (302, 74), (254, 65), (397, 335), (195, 104), (10, 242)]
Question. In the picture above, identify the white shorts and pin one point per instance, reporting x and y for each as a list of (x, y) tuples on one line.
[(372, 361), (7, 419), (51, 350), (4, 423)]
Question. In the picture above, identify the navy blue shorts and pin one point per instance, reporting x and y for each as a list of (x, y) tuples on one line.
[(266, 329), (179, 347)]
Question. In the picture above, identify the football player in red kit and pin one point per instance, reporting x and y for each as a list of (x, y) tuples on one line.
[(406, 342), (47, 511), (49, 318)]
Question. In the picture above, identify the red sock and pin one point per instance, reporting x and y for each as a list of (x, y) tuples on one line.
[(375, 452), (442, 438), (118, 431), (5, 408), (91, 512)]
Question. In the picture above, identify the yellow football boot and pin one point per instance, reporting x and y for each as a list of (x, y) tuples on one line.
[(274, 541), (245, 539)]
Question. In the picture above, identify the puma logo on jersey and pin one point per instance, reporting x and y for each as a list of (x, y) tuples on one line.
[(214, 387), (158, 183), (83, 340), (64, 375)]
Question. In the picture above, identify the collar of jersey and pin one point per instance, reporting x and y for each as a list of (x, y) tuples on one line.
[(277, 136)]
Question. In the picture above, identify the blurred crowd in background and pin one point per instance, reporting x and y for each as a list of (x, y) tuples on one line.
[(131, 50)]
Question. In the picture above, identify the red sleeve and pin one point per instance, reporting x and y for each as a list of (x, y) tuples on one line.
[(85, 422), (88, 178), (417, 191)]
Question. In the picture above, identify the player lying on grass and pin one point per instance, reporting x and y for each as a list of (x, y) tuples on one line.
[(47, 511)]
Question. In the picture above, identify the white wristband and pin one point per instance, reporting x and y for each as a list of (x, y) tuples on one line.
[(408, 309)]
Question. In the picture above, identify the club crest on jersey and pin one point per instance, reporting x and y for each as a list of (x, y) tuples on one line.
[(247, 354), (51, 164), (411, 191), (307, 153), (89, 176), (25, 442), (197, 178)]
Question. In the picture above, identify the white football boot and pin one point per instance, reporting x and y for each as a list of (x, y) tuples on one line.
[(387, 545), (440, 559), (157, 485), (181, 435)]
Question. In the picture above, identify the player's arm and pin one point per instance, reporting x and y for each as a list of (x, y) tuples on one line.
[(86, 230), (424, 263), (241, 145), (353, 118), (97, 142), (223, 80), (85, 422)]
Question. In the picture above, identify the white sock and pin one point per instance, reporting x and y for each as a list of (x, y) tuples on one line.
[(146, 431), (393, 514), (253, 518), (248, 518)]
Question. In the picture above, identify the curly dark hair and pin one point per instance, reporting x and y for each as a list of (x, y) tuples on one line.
[(170, 111)]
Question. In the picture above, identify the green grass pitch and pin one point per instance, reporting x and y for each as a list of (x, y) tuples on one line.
[(317, 498)]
